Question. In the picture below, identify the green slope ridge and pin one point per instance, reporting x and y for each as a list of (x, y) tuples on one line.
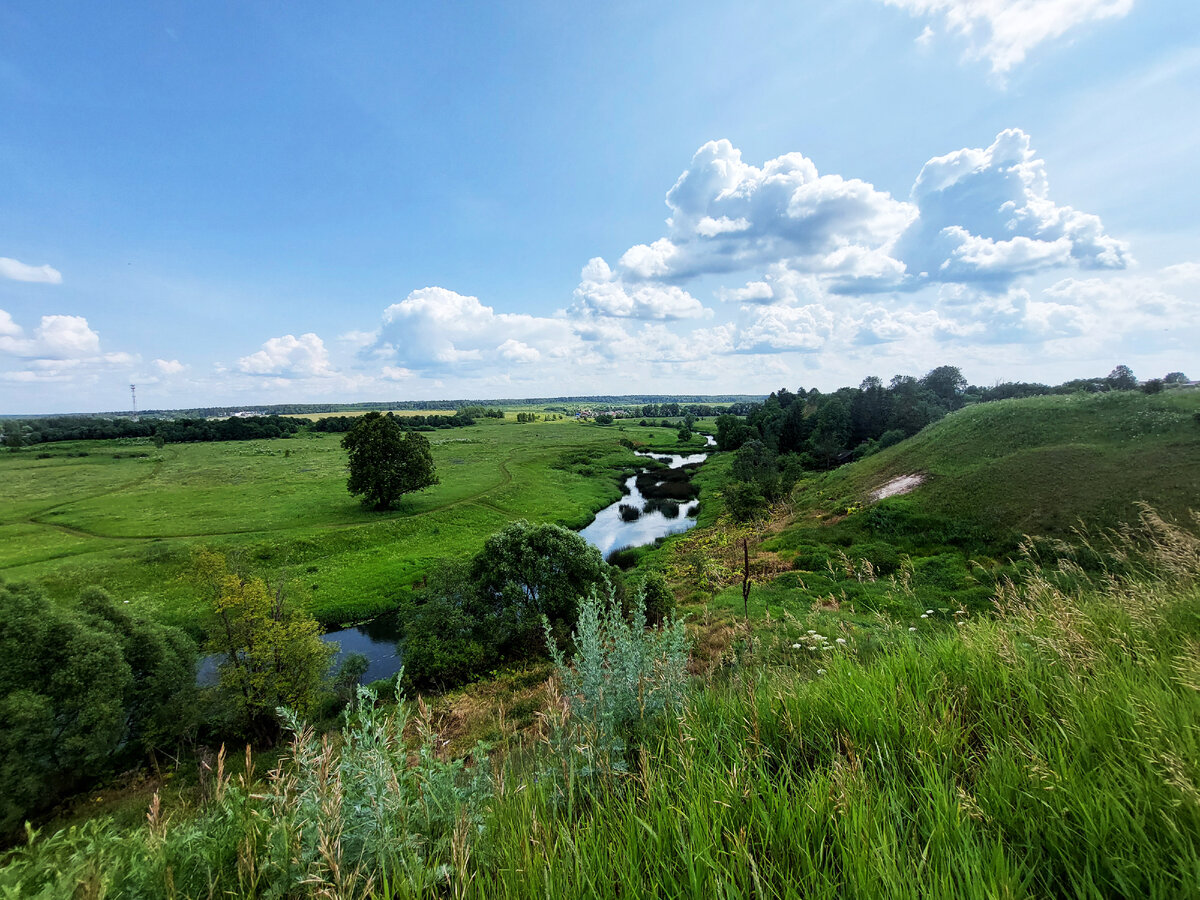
[(1040, 465), (992, 473)]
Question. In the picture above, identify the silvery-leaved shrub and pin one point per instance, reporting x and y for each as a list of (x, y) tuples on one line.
[(622, 676), (368, 807)]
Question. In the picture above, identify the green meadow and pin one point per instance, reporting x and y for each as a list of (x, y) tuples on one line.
[(125, 516)]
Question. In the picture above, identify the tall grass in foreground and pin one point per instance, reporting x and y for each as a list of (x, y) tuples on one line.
[(1050, 751)]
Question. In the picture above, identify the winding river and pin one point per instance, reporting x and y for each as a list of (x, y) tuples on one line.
[(377, 638), (609, 531)]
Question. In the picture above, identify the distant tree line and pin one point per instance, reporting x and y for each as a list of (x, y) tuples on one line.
[(51, 429), (343, 424), (477, 411), (823, 430), (695, 410)]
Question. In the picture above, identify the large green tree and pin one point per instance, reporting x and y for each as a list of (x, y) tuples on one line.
[(490, 611), (385, 461), (529, 571)]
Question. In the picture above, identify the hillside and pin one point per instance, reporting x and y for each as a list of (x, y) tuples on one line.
[(990, 474), (1040, 465)]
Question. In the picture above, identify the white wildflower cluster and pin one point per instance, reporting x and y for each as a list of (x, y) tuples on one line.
[(815, 642), (959, 615)]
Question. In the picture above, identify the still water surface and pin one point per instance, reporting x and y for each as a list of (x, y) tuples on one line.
[(609, 532), (376, 640)]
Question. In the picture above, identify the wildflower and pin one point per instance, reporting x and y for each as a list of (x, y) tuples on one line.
[(795, 646), (912, 629), (841, 640), (924, 616), (812, 631), (820, 671), (929, 612)]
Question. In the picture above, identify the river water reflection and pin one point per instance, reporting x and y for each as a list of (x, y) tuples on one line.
[(609, 531), (376, 640)]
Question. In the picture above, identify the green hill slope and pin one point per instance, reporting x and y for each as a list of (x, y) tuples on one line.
[(1039, 466), (990, 474)]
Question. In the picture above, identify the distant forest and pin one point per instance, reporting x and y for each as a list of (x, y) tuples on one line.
[(23, 432)]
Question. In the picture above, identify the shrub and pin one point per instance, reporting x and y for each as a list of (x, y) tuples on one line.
[(621, 678), (80, 691), (443, 646), (658, 597)]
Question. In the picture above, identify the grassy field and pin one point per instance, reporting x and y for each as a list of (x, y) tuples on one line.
[(125, 516)]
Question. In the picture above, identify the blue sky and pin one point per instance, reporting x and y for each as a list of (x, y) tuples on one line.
[(250, 203)]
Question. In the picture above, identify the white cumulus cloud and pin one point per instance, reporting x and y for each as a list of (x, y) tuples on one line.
[(289, 357), (62, 349), (985, 215), (1004, 31), (56, 337), (602, 292), (435, 328)]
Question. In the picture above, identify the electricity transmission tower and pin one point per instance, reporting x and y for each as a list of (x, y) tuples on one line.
[(133, 397)]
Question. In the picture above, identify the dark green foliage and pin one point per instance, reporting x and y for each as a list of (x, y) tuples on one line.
[(527, 572), (160, 704), (668, 484), (1122, 378), (755, 463), (1153, 386), (629, 513), (385, 462), (744, 500), (472, 618), (1175, 378), (947, 384), (657, 596), (732, 432), (79, 689), (14, 436), (443, 644)]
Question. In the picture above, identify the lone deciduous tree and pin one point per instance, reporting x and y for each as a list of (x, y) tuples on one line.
[(386, 462)]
